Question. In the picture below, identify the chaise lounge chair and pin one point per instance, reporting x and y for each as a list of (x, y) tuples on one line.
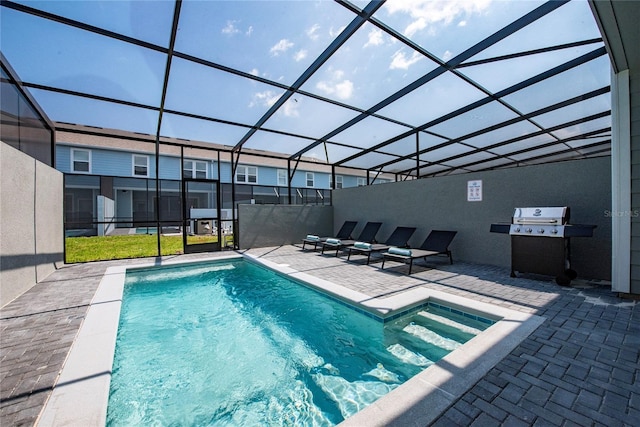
[(368, 235), (399, 238), (344, 233), (436, 243)]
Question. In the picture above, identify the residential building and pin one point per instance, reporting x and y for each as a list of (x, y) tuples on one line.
[(122, 167)]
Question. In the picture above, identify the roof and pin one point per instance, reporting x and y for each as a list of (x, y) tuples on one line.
[(417, 88)]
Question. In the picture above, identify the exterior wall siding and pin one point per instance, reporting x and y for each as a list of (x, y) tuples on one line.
[(113, 163), (634, 85), (63, 158), (225, 172), (120, 163), (441, 203), (267, 175), (213, 171), (169, 167)]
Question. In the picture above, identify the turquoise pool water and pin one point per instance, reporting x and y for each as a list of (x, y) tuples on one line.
[(235, 344)]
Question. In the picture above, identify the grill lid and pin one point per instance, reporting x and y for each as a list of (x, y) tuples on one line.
[(542, 215)]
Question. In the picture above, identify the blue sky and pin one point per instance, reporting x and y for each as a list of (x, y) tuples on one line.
[(277, 41)]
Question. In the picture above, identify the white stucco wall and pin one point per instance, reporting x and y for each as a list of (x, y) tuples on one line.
[(31, 222)]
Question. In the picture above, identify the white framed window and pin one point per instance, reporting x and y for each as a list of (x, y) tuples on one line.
[(310, 178), (282, 178), (360, 181), (140, 165), (339, 181), (80, 160), (247, 174), (201, 170), (195, 169)]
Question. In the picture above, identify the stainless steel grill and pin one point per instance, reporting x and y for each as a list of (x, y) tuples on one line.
[(540, 241), (547, 222)]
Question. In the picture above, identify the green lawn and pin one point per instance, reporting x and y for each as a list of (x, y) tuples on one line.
[(83, 249)]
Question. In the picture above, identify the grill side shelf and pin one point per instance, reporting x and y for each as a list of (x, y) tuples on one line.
[(579, 230), (500, 228)]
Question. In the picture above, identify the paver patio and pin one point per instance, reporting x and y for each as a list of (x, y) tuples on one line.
[(581, 367)]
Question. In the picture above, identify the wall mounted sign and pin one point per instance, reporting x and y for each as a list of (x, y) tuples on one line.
[(474, 191)]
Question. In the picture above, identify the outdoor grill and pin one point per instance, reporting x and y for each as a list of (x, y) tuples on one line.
[(540, 241)]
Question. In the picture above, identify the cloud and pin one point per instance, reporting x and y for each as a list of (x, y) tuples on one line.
[(375, 38), (427, 13), (340, 89), (344, 89), (254, 72), (415, 26), (334, 32), (447, 56), (249, 31), (312, 32), (290, 108), (230, 28), (400, 61), (300, 55), (336, 85), (264, 99), (281, 47)]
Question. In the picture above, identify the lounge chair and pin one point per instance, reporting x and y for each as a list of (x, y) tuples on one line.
[(436, 243), (399, 238), (344, 233), (368, 235)]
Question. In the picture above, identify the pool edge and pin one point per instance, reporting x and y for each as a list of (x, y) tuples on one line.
[(81, 393), (424, 397)]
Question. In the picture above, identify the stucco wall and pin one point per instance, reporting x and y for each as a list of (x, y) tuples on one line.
[(441, 203), (31, 228), (275, 225)]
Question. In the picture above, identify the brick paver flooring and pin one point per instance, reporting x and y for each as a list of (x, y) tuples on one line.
[(580, 368)]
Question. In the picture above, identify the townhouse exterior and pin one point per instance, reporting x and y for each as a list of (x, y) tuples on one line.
[(119, 169)]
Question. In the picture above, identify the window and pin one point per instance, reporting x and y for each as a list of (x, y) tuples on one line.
[(361, 182), (282, 178), (80, 160), (195, 169), (338, 181), (140, 165), (201, 170), (310, 179), (247, 174)]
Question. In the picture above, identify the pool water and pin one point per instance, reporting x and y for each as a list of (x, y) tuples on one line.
[(235, 344)]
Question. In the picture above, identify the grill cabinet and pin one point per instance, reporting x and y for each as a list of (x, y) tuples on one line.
[(540, 241)]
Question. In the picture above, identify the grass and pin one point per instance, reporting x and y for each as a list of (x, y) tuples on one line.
[(84, 249)]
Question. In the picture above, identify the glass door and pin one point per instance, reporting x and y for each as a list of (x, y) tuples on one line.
[(201, 231)]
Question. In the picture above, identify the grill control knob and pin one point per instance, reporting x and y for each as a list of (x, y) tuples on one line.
[(541, 231), (528, 230), (517, 229), (554, 231)]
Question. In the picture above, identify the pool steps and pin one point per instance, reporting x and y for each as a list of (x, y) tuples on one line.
[(431, 337), (423, 334), (450, 322)]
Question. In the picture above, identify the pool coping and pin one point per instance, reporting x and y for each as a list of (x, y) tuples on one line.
[(81, 393)]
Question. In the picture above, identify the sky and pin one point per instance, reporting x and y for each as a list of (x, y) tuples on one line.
[(276, 41)]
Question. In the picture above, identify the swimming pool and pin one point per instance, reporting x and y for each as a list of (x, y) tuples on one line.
[(82, 390), (234, 343)]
